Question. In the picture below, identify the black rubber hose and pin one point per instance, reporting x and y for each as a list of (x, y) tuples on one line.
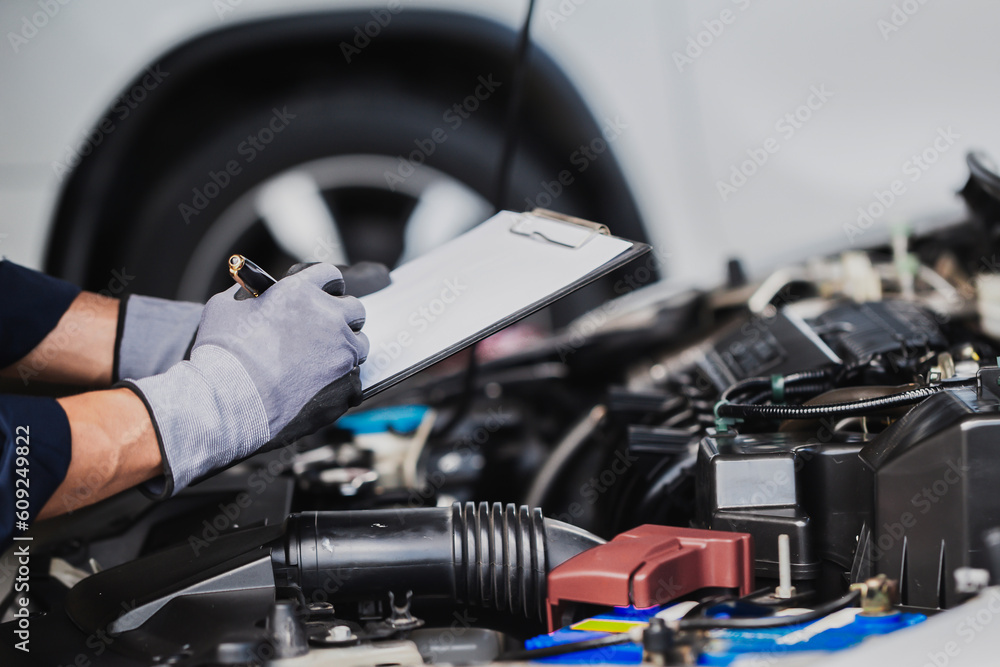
[(849, 409), (795, 390), (745, 385), (765, 383), (484, 555)]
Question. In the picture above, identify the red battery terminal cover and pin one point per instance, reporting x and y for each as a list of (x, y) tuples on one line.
[(651, 565)]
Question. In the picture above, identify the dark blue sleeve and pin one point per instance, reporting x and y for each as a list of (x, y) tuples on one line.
[(35, 438), (30, 307)]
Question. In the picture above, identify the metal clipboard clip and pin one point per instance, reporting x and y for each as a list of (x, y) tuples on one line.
[(556, 228)]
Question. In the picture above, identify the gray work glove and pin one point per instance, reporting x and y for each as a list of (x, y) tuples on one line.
[(263, 373), (361, 278), (153, 335)]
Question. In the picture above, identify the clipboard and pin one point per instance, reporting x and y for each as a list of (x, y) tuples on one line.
[(493, 275)]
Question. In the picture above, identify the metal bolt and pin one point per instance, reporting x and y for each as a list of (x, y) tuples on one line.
[(785, 589)]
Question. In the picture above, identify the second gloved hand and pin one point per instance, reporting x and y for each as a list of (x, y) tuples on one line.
[(154, 334), (263, 372)]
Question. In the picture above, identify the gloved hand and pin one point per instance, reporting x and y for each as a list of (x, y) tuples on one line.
[(263, 373), (360, 279), (154, 334)]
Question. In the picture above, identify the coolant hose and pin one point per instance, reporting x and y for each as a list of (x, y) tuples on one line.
[(485, 555)]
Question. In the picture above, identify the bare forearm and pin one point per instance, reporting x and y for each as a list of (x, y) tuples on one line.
[(80, 350), (114, 448)]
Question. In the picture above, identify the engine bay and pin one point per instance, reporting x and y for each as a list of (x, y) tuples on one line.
[(783, 468)]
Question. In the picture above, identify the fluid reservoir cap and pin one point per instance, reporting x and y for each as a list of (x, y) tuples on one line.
[(396, 418)]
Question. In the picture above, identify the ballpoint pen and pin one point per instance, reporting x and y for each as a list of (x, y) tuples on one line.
[(249, 276)]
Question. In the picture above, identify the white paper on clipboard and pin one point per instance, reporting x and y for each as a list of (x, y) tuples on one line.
[(487, 278)]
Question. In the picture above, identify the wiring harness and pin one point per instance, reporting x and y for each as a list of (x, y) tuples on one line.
[(737, 403)]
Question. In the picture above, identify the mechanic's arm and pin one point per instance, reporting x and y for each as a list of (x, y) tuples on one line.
[(263, 372), (113, 448), (56, 456), (52, 332), (78, 350), (67, 336)]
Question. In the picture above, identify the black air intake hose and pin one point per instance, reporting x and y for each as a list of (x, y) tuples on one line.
[(483, 555)]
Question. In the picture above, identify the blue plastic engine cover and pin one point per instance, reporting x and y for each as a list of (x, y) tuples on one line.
[(619, 619), (840, 630)]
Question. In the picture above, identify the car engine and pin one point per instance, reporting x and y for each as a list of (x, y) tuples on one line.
[(681, 476)]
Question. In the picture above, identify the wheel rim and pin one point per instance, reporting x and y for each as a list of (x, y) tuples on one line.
[(311, 212)]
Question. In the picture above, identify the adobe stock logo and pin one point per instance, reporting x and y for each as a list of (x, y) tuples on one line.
[(454, 116), (419, 321), (898, 17), (786, 127), (121, 109), (363, 35), (706, 35), (31, 25), (913, 169), (248, 149)]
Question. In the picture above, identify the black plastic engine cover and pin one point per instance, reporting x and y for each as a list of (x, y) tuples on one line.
[(937, 475), (813, 488), (849, 333), (858, 332)]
